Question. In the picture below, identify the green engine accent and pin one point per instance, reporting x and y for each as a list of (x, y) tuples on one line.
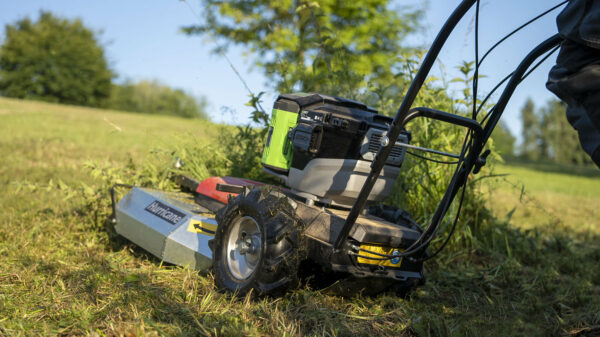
[(278, 150)]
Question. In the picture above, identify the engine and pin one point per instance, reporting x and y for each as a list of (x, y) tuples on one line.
[(322, 147)]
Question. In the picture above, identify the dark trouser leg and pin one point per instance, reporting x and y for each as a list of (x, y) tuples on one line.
[(589, 135)]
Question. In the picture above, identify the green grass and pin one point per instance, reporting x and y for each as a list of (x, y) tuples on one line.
[(64, 271), (544, 194)]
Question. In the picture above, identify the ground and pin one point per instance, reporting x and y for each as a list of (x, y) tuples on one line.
[(64, 271)]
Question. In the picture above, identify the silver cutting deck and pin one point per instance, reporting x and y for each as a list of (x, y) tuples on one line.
[(169, 225)]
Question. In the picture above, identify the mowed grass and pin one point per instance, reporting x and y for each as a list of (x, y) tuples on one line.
[(63, 271), (539, 195)]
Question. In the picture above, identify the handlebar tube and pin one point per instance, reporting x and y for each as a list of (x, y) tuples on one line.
[(403, 115), (398, 122)]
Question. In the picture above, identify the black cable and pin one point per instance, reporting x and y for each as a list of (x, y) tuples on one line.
[(521, 80), (431, 159), (519, 28), (476, 73), (493, 90), (478, 63), (432, 228), (462, 196), (467, 143), (389, 256), (460, 203), (539, 63), (429, 233), (374, 258), (375, 253)]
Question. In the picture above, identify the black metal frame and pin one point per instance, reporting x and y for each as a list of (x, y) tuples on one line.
[(480, 133)]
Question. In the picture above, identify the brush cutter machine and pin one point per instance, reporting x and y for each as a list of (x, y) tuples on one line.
[(338, 159)]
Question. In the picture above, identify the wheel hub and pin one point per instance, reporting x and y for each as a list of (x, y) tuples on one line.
[(248, 244), (244, 247)]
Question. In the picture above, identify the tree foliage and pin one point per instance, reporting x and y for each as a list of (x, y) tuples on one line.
[(530, 131), (547, 135), (559, 139), (504, 141), (335, 47), (152, 97), (54, 59)]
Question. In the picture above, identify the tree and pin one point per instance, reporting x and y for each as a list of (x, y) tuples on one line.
[(54, 59), (547, 135), (559, 139), (338, 47), (152, 97), (504, 141), (530, 148)]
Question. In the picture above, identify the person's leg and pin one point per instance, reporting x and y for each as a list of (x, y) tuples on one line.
[(575, 79), (589, 135)]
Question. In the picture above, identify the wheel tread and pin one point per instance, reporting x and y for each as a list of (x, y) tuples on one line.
[(283, 250)]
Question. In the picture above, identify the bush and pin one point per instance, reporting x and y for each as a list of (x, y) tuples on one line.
[(152, 97)]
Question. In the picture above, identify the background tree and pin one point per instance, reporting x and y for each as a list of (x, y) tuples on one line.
[(560, 142), (54, 59), (342, 48), (530, 148), (504, 141), (547, 135), (155, 98)]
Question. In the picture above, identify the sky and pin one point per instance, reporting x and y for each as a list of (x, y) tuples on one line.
[(142, 40)]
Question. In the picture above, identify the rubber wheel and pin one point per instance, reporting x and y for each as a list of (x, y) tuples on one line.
[(257, 245)]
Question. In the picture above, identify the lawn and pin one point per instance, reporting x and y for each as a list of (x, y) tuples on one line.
[(64, 271), (539, 195)]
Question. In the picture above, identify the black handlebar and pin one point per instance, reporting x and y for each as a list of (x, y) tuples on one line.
[(447, 117), (399, 119), (480, 133)]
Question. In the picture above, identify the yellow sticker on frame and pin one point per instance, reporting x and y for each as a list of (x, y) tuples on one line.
[(365, 257), (198, 226)]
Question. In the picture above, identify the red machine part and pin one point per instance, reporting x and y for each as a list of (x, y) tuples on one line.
[(208, 187)]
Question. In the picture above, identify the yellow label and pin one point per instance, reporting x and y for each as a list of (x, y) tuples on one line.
[(364, 256), (197, 226)]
